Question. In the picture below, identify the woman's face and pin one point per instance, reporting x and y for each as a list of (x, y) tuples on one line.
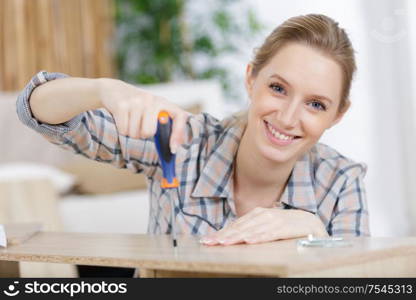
[(294, 99)]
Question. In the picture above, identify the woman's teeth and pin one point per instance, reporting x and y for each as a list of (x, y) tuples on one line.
[(279, 135)]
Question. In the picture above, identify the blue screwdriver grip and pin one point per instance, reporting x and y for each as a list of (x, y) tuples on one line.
[(167, 159)]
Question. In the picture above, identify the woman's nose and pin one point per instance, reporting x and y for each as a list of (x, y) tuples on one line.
[(289, 114)]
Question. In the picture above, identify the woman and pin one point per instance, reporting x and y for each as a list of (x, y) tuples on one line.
[(254, 177)]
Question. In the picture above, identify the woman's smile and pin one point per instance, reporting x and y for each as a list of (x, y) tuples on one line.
[(277, 137)]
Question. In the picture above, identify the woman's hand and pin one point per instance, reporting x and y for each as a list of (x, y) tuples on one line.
[(135, 111), (268, 224)]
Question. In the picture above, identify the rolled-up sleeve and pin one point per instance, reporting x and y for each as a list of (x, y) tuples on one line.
[(92, 134), (350, 215), (25, 114)]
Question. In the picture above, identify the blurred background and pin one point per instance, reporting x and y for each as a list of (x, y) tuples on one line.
[(195, 53)]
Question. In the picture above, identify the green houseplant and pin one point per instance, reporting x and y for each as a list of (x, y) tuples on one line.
[(165, 40)]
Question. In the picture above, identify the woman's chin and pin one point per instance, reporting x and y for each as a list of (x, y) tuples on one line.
[(276, 156)]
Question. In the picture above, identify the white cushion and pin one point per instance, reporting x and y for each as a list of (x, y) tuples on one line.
[(62, 181)]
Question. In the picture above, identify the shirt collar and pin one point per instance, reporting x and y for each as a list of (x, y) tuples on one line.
[(216, 179), (300, 192)]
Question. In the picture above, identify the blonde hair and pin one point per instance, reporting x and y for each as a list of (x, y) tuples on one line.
[(317, 31)]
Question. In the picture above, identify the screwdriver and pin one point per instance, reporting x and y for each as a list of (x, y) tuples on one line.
[(167, 160)]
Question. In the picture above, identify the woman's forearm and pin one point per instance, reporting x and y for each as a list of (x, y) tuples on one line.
[(58, 101), (134, 110)]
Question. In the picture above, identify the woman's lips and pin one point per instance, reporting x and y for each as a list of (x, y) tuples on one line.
[(275, 140)]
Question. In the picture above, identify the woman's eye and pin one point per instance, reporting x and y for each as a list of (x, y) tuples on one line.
[(317, 105), (277, 88)]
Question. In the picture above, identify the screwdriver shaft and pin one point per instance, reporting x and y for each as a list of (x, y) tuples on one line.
[(173, 219)]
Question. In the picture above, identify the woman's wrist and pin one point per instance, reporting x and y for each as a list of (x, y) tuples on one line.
[(109, 91), (102, 87), (86, 97)]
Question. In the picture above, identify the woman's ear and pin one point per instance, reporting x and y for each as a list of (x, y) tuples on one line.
[(342, 112), (249, 79)]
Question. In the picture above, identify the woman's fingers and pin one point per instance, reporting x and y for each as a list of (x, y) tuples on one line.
[(148, 125), (121, 118), (142, 123), (235, 240), (247, 220), (178, 129), (135, 118), (259, 233), (247, 233), (262, 237), (135, 111), (231, 236), (248, 236), (263, 232), (235, 232)]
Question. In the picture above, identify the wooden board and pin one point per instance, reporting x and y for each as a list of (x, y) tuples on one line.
[(373, 257), (19, 233)]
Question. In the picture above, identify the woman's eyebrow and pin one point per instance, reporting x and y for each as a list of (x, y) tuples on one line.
[(275, 75), (320, 97)]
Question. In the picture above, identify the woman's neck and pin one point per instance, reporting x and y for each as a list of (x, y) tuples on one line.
[(256, 176)]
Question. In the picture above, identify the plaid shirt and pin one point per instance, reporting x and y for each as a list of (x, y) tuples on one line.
[(322, 182)]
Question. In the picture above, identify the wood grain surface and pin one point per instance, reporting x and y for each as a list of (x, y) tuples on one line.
[(19, 233), (372, 257)]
